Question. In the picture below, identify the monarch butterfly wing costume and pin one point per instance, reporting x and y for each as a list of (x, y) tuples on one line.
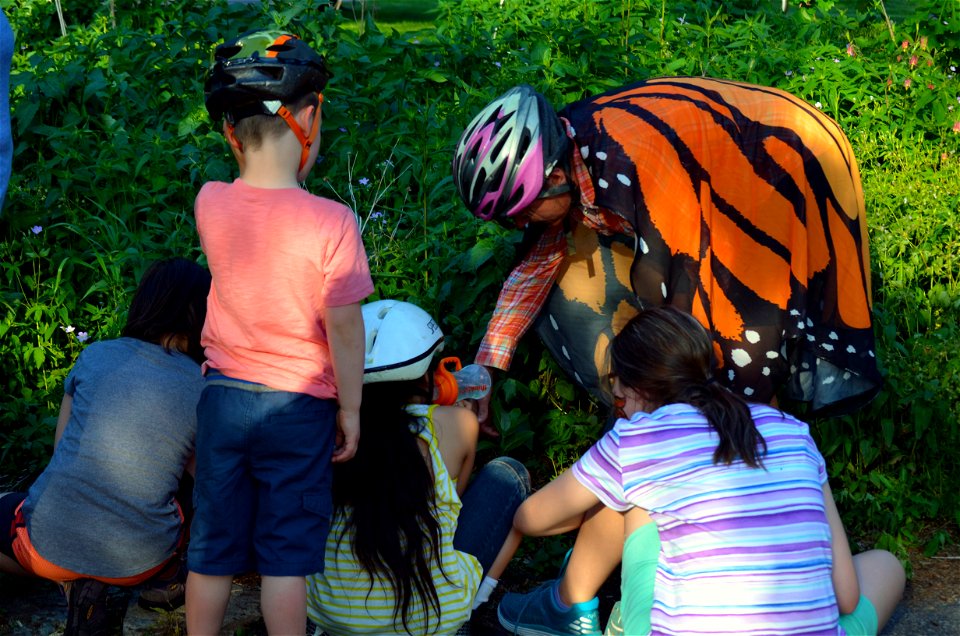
[(749, 213)]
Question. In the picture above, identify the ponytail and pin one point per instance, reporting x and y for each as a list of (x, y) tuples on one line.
[(665, 355)]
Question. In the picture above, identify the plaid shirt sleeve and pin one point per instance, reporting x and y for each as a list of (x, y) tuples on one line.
[(522, 297)]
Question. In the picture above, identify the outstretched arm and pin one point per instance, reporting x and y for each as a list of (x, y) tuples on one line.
[(521, 299)]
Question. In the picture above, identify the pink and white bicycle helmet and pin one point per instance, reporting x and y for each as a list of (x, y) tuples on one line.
[(506, 153)]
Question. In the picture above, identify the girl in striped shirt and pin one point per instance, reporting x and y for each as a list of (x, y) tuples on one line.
[(719, 508), (415, 543)]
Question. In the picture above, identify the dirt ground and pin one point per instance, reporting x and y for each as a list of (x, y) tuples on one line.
[(931, 605)]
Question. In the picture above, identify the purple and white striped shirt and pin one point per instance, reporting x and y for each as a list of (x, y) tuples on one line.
[(743, 550)]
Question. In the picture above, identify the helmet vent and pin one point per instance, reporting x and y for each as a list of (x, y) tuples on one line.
[(227, 51), (279, 48), (500, 123), (524, 144), (498, 148)]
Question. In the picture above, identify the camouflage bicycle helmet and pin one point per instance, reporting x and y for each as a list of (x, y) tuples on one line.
[(506, 153), (255, 71)]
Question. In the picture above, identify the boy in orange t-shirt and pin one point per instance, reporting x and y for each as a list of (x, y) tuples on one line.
[(283, 339)]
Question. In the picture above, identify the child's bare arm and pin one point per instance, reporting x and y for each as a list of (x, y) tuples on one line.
[(345, 337), (556, 508), (456, 429), (845, 583)]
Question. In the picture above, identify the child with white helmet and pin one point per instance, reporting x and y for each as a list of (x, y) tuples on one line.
[(414, 545)]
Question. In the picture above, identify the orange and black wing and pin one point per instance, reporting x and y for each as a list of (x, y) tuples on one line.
[(749, 213)]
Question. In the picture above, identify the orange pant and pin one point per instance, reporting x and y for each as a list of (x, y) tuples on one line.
[(31, 561)]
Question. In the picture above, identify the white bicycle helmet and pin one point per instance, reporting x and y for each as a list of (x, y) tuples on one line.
[(400, 341), (505, 154)]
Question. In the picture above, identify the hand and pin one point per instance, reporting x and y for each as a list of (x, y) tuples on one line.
[(348, 435), (487, 427)]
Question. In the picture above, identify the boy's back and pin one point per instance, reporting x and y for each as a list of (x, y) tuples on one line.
[(278, 257), (283, 339)]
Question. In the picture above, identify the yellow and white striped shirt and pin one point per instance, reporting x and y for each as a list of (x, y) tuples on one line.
[(341, 600)]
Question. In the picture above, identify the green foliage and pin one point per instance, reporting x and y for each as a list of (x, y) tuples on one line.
[(113, 142)]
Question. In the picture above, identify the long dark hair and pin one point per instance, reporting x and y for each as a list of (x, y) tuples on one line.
[(386, 494), (666, 356), (171, 301)]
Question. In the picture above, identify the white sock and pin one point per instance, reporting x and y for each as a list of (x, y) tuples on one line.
[(487, 586)]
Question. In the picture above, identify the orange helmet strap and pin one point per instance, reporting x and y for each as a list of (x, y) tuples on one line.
[(306, 141)]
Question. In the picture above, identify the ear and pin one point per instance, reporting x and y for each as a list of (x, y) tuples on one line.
[(230, 134), (305, 117)]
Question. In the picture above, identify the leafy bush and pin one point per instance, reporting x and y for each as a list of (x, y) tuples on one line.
[(112, 143)]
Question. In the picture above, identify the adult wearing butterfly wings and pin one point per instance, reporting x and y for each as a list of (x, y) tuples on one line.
[(740, 204)]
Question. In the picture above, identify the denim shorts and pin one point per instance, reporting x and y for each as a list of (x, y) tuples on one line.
[(263, 482)]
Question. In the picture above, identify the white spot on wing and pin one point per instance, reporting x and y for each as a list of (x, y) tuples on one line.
[(740, 357)]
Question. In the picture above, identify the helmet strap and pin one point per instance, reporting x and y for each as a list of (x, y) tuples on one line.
[(306, 140), (230, 130)]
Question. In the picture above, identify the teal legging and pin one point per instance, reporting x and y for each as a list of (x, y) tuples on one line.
[(641, 552)]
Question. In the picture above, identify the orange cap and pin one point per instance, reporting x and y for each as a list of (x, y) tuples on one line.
[(444, 384)]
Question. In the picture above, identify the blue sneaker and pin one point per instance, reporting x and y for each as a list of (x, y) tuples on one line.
[(536, 614)]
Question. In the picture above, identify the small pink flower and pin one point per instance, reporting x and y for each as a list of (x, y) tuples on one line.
[(899, 57), (913, 60), (852, 52), (956, 126), (930, 86), (905, 45), (889, 82), (907, 82), (923, 42), (944, 156), (929, 62)]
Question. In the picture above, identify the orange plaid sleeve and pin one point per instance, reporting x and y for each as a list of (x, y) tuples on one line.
[(525, 291), (522, 297)]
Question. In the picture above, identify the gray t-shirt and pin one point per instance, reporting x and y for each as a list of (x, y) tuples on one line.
[(104, 506)]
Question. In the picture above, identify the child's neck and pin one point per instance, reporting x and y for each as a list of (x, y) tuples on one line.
[(272, 166)]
